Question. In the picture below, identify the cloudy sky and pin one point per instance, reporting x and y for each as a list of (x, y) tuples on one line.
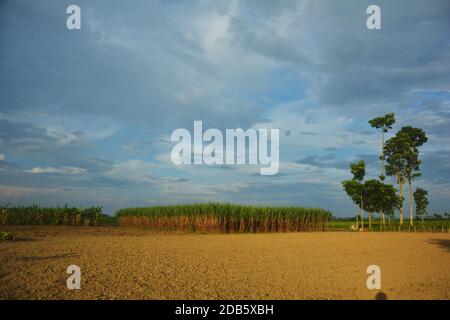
[(86, 115)]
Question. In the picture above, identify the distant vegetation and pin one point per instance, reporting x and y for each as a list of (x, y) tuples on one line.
[(218, 217), (429, 224), (212, 217), (35, 215)]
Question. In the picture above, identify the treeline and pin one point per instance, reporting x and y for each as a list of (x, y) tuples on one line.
[(428, 225), (224, 218), (400, 160), (36, 215), (438, 216)]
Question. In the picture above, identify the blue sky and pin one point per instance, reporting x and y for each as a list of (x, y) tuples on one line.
[(86, 115)]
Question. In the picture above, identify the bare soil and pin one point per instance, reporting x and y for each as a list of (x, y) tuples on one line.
[(126, 263)]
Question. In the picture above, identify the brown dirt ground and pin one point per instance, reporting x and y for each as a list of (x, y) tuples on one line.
[(124, 263)]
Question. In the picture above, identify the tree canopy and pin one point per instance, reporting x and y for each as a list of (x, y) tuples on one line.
[(421, 200), (354, 190), (358, 170), (400, 156), (417, 136), (384, 123), (380, 197)]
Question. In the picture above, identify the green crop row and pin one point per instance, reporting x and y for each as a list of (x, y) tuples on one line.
[(35, 215), (219, 217)]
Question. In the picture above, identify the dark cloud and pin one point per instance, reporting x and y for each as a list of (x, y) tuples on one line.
[(37, 143), (307, 133), (348, 66), (432, 115), (139, 66), (8, 166), (436, 167)]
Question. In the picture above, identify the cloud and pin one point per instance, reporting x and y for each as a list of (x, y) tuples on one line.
[(63, 170), (306, 133), (176, 71), (12, 192), (97, 106), (2, 157), (341, 60)]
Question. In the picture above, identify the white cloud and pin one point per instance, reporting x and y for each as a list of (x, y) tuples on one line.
[(136, 170), (18, 192), (62, 170)]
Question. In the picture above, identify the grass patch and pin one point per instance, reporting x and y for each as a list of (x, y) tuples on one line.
[(5, 236)]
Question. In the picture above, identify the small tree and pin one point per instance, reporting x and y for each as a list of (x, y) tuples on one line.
[(354, 188), (384, 124), (370, 196), (421, 200), (389, 201), (358, 170), (379, 197)]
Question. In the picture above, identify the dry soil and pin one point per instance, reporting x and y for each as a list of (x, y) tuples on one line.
[(124, 263)]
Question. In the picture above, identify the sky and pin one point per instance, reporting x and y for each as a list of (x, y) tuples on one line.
[(86, 115)]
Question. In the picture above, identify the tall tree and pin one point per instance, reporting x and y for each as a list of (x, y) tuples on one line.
[(417, 138), (421, 200), (399, 152), (384, 124), (411, 172)]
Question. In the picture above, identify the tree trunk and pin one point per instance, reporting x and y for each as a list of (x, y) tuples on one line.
[(400, 191), (369, 214), (382, 154), (357, 220), (410, 203), (362, 219), (401, 207), (362, 215)]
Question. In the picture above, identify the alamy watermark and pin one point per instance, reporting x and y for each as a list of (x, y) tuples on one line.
[(74, 280), (374, 280), (373, 22), (73, 22), (208, 147)]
